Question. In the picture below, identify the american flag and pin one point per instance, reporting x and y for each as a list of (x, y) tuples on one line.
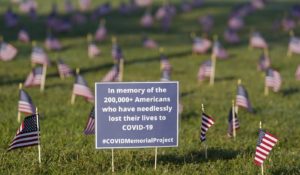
[(288, 24), (7, 51), (101, 31), (90, 125), (257, 41), (232, 123), (112, 75), (116, 52), (165, 75), (23, 36), (35, 77), (206, 123), (28, 134), (84, 4), (146, 20), (201, 45), (63, 69), (164, 63), (93, 50), (39, 56), (273, 79), (26, 6), (258, 4), (264, 62), (231, 36), (52, 43), (242, 98), (266, 142), (205, 70), (149, 43), (80, 88), (235, 22), (219, 51), (298, 73), (25, 104), (294, 45)]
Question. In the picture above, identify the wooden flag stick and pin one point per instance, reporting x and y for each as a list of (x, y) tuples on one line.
[(237, 107), (74, 95), (266, 90), (155, 159), (205, 145), (262, 166), (233, 120), (38, 129), (121, 69), (42, 86), (19, 113), (112, 161), (212, 76)]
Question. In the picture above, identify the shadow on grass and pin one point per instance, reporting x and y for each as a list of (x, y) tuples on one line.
[(293, 170), (227, 78), (290, 91), (194, 157)]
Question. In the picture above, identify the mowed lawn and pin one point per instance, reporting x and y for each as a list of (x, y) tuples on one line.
[(66, 150)]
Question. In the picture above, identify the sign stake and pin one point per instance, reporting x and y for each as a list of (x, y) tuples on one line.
[(112, 161), (155, 159)]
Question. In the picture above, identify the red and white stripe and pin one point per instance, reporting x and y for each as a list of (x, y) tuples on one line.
[(258, 42), (207, 122), (242, 101), (25, 107), (274, 81), (84, 91), (264, 148), (39, 58), (90, 127), (24, 140)]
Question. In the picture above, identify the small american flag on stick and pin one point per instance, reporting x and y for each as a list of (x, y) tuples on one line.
[(206, 123), (112, 75), (35, 77), (25, 103), (205, 70), (257, 41), (38, 56), (232, 123), (273, 79), (63, 69), (27, 134), (90, 125), (7, 51), (81, 88), (242, 98)]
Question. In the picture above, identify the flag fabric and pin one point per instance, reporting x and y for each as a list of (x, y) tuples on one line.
[(232, 123), (294, 45), (288, 24), (242, 98), (235, 22), (273, 79), (101, 32), (27, 135), (23, 36), (164, 63), (205, 70), (265, 144), (165, 76), (231, 36), (90, 125), (35, 77), (116, 52), (52, 43), (7, 51), (25, 103), (63, 69), (26, 6), (84, 4), (147, 20), (219, 51), (81, 88), (206, 123), (38, 56), (257, 41), (298, 73), (112, 75), (93, 50), (201, 45), (263, 63), (149, 43)]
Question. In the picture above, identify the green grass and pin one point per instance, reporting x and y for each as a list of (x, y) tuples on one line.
[(65, 150)]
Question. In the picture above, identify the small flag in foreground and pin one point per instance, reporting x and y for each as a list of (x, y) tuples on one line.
[(35, 77), (264, 62), (112, 75), (25, 104), (63, 69), (207, 122), (242, 98), (7, 51), (257, 41), (90, 125), (232, 123), (294, 45), (81, 88), (265, 143), (39, 56), (205, 70), (27, 134), (273, 79)]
